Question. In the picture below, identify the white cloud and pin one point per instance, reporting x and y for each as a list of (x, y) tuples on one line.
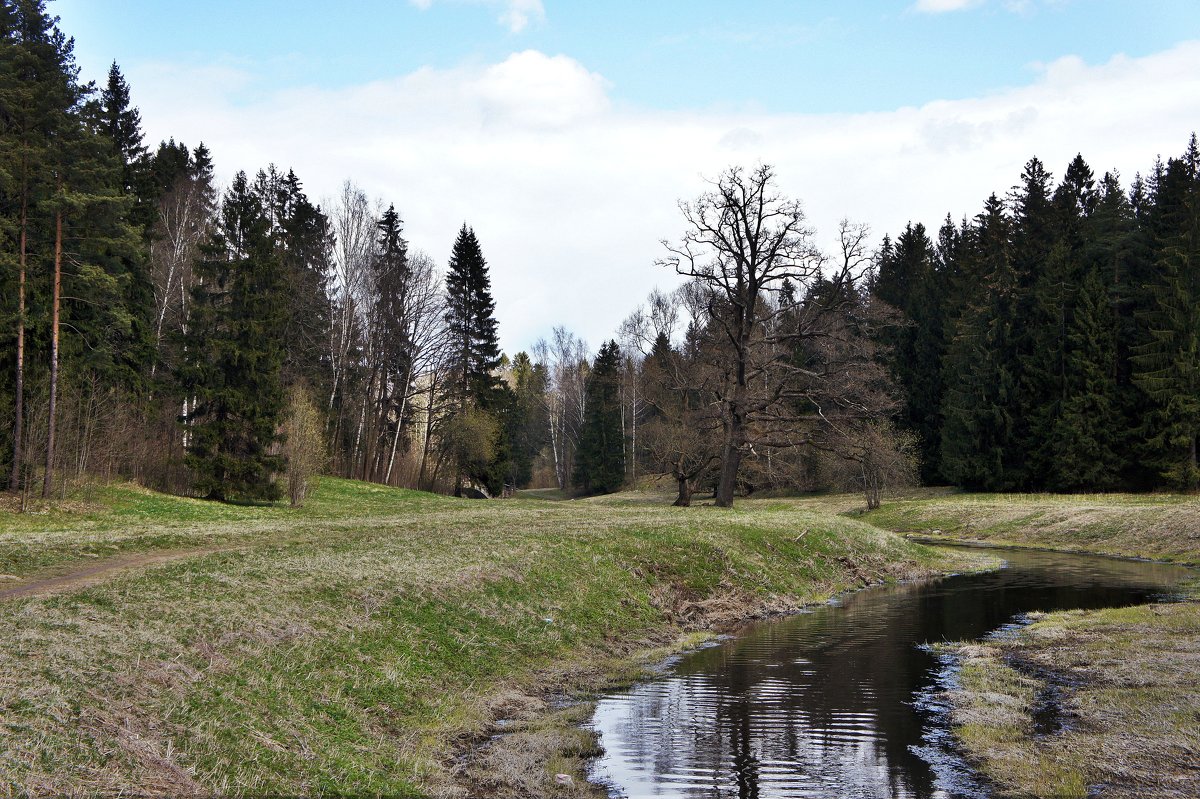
[(570, 193), (938, 6), (516, 15)]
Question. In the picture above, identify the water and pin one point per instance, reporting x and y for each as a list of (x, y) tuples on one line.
[(842, 701)]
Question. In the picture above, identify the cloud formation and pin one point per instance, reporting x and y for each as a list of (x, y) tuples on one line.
[(516, 15), (571, 193)]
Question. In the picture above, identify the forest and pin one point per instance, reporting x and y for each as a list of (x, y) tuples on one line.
[(235, 342)]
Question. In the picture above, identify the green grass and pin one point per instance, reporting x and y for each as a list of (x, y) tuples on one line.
[(1157, 526), (102, 521), (1133, 714), (357, 646)]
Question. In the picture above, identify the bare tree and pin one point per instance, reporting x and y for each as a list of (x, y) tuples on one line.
[(746, 247), (181, 225), (566, 360), (426, 334), (351, 297)]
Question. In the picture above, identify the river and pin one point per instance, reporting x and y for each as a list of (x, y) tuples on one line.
[(840, 701)]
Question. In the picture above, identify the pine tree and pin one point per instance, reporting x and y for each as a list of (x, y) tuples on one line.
[(40, 96), (470, 315), (907, 281), (977, 447), (600, 457), (471, 326), (235, 355), (1168, 364), (1086, 435)]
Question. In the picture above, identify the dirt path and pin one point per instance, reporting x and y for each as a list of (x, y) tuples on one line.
[(98, 572)]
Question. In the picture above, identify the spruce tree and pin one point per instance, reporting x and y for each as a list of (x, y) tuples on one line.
[(470, 316), (1115, 249), (1086, 435), (1038, 306), (529, 420), (475, 358), (235, 355), (600, 456), (392, 272), (977, 446), (907, 281), (304, 241), (1168, 363)]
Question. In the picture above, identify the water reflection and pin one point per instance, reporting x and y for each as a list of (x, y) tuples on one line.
[(824, 704)]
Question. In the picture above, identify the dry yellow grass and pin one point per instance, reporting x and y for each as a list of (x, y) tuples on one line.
[(1158, 526), (1127, 696)]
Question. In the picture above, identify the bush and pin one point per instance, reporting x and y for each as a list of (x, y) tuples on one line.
[(304, 446)]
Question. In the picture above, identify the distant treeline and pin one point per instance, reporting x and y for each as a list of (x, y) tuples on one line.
[(214, 343), (1054, 340)]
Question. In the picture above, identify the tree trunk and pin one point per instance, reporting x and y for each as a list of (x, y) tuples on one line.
[(14, 479), (58, 236), (633, 454), (684, 499), (1195, 466), (428, 434), (731, 461)]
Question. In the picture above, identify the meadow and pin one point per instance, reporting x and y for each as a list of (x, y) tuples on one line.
[(372, 642)]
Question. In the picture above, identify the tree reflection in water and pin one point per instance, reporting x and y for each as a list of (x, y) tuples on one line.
[(823, 704)]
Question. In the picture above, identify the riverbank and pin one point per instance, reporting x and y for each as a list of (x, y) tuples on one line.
[(370, 642), (1078, 701), (1086, 703), (1154, 526)]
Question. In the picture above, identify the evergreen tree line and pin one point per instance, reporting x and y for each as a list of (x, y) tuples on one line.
[(1052, 342), (202, 342)]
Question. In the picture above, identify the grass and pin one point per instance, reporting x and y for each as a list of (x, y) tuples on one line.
[(1130, 709), (1157, 526), (1124, 680), (371, 642)]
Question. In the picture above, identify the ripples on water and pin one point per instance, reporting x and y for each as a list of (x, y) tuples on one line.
[(839, 702)]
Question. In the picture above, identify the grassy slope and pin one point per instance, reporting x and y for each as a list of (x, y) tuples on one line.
[(357, 645), (1126, 676), (1158, 526)]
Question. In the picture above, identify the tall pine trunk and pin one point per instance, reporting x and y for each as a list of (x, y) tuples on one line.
[(58, 236), (14, 479)]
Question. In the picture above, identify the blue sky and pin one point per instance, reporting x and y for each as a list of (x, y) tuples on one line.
[(565, 133), (775, 55)]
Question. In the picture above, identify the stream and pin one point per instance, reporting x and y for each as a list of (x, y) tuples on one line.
[(841, 701)]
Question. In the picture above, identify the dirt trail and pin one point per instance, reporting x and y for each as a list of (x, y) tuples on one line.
[(98, 572)]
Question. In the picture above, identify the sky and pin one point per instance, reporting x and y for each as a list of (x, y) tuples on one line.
[(565, 133)]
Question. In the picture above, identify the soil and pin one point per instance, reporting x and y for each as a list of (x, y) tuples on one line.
[(98, 572)]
